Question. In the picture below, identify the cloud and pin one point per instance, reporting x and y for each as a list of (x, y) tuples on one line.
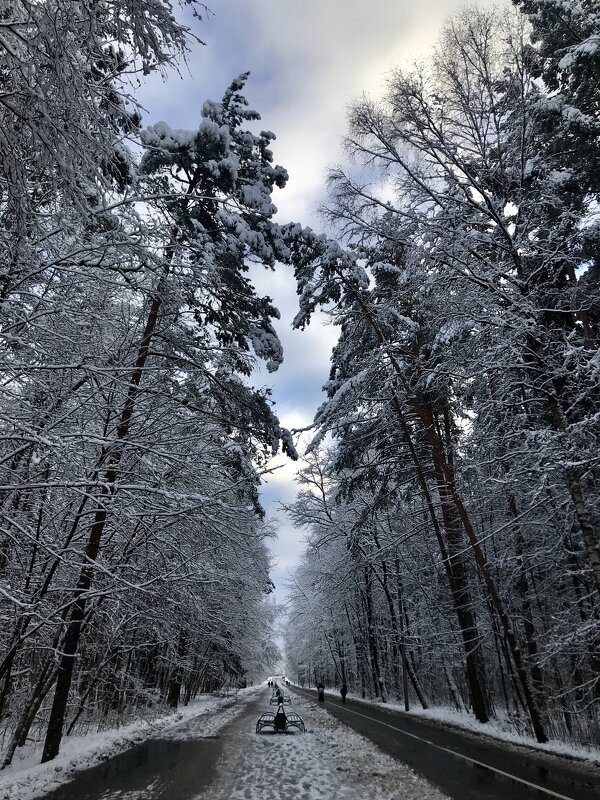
[(298, 382), (308, 61), (286, 553)]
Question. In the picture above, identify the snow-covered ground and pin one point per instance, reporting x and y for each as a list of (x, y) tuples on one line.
[(27, 779), (499, 729), (494, 729), (328, 762)]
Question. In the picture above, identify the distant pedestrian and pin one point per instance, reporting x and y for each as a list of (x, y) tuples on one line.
[(321, 692), (344, 692)]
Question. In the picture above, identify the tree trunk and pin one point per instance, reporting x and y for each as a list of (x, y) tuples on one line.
[(448, 489), (43, 686), (73, 633), (372, 639), (457, 579)]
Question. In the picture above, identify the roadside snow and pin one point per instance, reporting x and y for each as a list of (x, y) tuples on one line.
[(496, 729), (328, 762), (27, 779)]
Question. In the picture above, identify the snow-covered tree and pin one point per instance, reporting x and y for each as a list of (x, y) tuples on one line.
[(132, 543), (466, 357)]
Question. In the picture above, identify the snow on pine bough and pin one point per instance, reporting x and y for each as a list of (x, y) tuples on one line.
[(280, 722)]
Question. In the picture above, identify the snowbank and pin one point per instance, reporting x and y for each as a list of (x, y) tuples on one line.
[(496, 729), (27, 779)]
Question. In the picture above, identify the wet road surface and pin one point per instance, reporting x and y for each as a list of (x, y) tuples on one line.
[(178, 767), (461, 765)]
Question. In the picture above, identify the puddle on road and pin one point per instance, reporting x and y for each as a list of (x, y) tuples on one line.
[(158, 769)]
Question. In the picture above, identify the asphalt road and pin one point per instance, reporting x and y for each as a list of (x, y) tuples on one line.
[(465, 766), (169, 768)]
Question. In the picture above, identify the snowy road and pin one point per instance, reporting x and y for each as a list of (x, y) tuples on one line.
[(201, 760), (455, 761)]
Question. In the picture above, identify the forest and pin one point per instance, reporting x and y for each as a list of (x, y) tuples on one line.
[(449, 495), (132, 543)]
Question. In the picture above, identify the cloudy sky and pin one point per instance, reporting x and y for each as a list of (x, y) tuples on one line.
[(308, 59)]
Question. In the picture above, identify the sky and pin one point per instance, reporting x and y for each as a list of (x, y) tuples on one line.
[(308, 59)]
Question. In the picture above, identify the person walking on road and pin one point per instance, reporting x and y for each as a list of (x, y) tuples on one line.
[(344, 692), (321, 692)]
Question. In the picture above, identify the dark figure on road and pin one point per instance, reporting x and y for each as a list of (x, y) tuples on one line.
[(344, 692), (280, 719), (321, 692)]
